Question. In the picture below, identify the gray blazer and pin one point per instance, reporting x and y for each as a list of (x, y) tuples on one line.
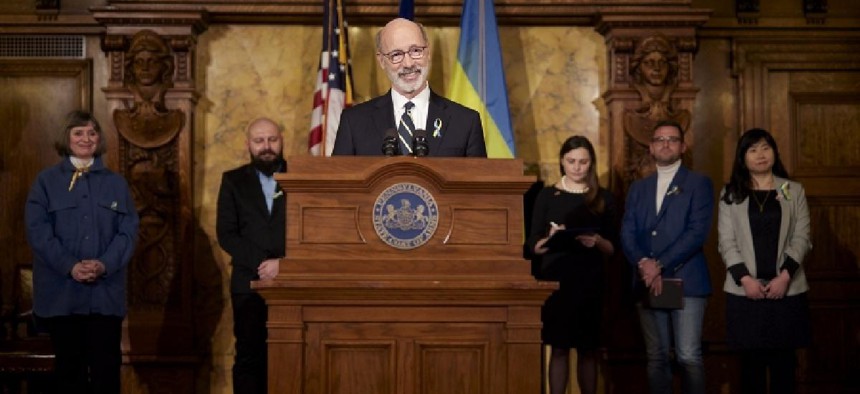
[(736, 245)]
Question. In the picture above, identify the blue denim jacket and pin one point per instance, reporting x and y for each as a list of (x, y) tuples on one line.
[(94, 220)]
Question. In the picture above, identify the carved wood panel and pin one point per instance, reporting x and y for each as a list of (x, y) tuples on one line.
[(396, 357)]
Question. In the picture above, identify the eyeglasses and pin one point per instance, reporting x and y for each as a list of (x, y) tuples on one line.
[(396, 56), (664, 139)]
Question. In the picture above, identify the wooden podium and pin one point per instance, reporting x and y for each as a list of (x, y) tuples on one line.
[(371, 299)]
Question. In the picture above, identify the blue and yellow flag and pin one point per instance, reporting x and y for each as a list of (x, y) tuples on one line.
[(479, 79)]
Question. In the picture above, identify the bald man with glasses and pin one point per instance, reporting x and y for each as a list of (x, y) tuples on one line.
[(403, 52)]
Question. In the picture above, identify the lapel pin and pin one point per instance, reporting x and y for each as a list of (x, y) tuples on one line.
[(437, 128), (113, 205), (673, 190)]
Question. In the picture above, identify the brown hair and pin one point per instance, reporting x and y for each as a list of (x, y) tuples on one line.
[(78, 119), (592, 200)]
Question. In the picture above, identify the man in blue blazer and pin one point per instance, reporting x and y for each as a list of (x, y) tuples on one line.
[(403, 52), (666, 222)]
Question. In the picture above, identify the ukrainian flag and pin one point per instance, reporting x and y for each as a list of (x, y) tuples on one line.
[(479, 79)]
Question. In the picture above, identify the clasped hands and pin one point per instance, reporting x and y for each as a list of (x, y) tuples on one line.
[(773, 290), (652, 275), (87, 271)]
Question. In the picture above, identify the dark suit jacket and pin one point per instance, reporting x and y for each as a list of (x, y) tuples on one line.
[(675, 235), (362, 128), (246, 230)]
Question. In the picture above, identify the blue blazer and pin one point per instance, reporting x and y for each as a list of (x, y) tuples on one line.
[(362, 128), (675, 235)]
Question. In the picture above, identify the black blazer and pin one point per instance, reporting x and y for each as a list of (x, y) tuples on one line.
[(362, 128), (246, 230)]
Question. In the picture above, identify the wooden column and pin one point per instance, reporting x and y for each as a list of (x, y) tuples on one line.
[(151, 98)]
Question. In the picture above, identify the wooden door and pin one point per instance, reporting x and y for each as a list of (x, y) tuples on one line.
[(34, 100)]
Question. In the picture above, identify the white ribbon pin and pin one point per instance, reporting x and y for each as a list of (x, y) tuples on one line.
[(437, 128)]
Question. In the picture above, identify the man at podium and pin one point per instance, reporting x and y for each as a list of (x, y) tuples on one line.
[(410, 119)]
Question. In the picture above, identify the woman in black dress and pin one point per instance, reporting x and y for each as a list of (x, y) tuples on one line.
[(583, 212), (764, 237)]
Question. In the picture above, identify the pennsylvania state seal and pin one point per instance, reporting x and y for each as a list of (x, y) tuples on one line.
[(405, 216)]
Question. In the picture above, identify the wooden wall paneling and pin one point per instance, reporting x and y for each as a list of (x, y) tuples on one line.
[(37, 95), (803, 90)]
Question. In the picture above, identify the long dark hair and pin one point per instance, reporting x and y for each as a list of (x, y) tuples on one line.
[(738, 188), (592, 201)]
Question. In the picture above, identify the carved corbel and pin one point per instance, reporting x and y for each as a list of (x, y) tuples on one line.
[(142, 72)]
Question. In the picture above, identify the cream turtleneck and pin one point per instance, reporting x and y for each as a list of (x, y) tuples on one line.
[(664, 178)]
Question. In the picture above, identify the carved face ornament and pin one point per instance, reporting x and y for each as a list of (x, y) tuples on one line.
[(654, 68), (147, 68)]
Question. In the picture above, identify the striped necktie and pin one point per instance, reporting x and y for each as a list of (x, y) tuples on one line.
[(405, 129)]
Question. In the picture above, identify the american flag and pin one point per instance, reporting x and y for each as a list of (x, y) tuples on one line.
[(334, 81)]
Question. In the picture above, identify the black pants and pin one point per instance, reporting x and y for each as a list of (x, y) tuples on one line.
[(249, 328), (88, 354), (755, 365)]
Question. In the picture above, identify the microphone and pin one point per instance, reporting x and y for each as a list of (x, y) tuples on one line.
[(419, 143), (390, 146)]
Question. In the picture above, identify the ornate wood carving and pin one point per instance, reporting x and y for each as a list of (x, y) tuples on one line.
[(655, 74), (151, 97), (148, 158), (148, 67), (651, 80)]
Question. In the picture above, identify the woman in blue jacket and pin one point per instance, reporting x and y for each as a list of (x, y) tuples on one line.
[(82, 227)]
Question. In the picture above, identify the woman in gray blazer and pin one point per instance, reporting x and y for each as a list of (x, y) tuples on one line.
[(764, 237)]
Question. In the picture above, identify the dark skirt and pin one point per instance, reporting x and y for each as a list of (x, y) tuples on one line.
[(571, 318), (767, 324)]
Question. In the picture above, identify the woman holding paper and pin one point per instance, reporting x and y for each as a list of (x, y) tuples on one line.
[(572, 227), (764, 237)]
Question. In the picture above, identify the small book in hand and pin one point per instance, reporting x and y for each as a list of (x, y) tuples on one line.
[(566, 239), (672, 296)]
